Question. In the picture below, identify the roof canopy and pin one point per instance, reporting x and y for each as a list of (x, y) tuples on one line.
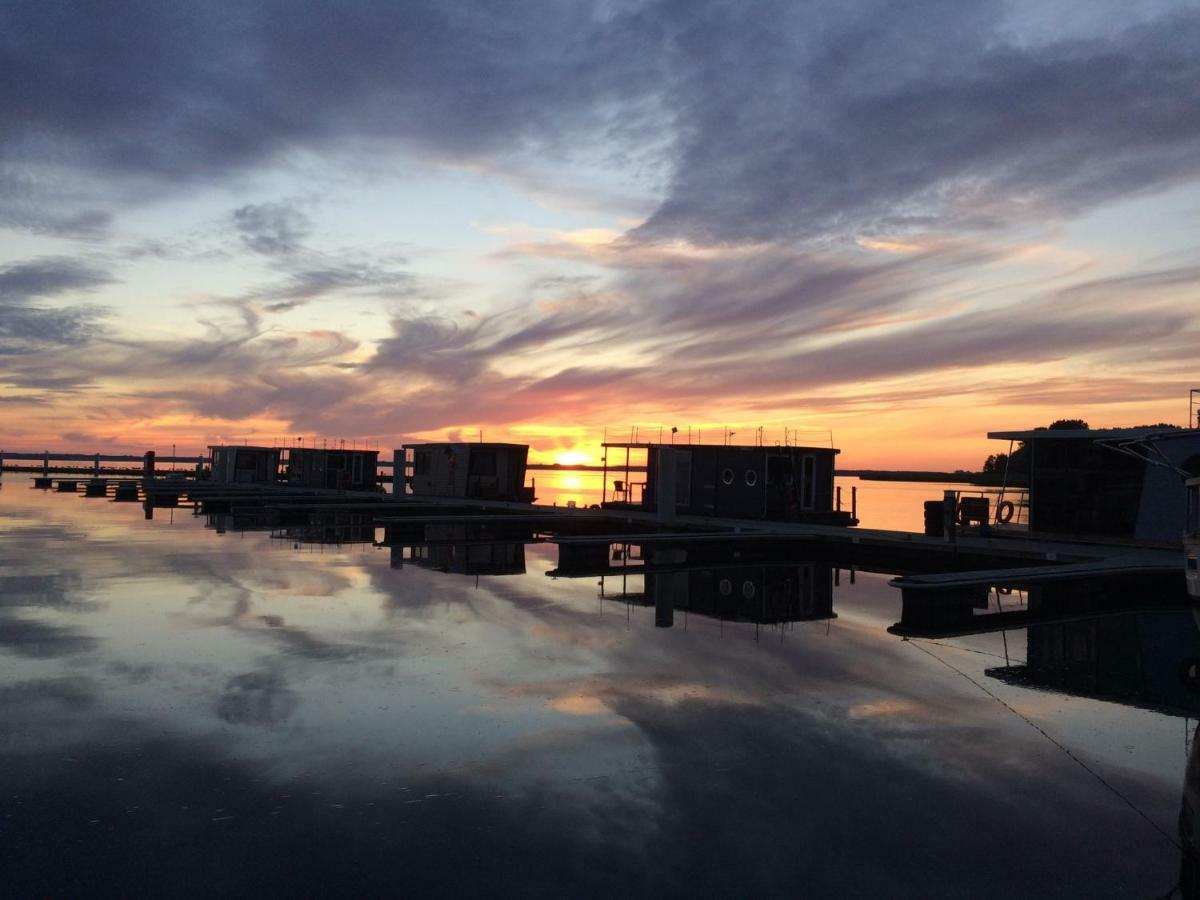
[(1092, 434), (485, 446)]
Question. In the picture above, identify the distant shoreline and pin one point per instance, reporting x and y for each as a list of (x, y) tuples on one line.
[(979, 478)]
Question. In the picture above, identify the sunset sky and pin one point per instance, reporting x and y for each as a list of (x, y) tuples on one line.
[(902, 223)]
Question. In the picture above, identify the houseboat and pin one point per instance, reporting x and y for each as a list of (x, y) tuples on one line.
[(479, 471), (331, 469), (243, 464), (775, 483), (1124, 483)]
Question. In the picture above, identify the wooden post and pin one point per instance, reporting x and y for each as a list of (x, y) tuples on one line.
[(46, 465), (854, 501), (604, 473), (839, 498), (96, 466), (148, 466), (949, 505)]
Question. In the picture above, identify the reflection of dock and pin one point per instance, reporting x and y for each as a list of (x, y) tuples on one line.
[(967, 608), (761, 497), (1123, 638)]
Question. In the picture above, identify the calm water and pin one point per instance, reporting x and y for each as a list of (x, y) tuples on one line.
[(894, 505), (187, 712)]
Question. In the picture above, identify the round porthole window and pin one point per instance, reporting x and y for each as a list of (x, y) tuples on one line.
[(727, 476), (748, 590), (725, 587), (751, 477)]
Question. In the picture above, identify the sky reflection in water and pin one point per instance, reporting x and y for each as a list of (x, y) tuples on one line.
[(187, 711)]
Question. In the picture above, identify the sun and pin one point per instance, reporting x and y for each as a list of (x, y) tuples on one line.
[(572, 482), (572, 458)]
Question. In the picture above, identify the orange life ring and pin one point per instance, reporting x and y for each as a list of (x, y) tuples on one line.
[(1004, 512)]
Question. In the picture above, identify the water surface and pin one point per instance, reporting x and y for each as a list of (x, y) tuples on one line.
[(189, 712)]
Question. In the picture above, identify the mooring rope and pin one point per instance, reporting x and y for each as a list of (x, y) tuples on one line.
[(1100, 778)]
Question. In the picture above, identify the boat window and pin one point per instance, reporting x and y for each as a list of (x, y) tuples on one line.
[(483, 462), (808, 481), (727, 476), (751, 477), (421, 462)]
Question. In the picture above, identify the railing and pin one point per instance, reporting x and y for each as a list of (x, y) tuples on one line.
[(997, 498)]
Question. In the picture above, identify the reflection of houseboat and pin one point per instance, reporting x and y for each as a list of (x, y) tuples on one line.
[(1112, 483), (1139, 659), (1130, 639), (467, 558), (481, 471), (458, 549), (767, 593), (1191, 538), (327, 526), (711, 581), (789, 484)]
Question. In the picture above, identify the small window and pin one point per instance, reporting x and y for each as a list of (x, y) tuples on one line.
[(727, 476), (725, 587), (421, 462), (748, 590), (751, 477)]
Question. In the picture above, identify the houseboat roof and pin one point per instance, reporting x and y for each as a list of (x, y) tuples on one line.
[(485, 446), (1094, 434), (635, 445), (296, 450), (242, 447)]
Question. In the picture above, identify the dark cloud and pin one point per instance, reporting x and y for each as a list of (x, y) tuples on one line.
[(25, 328), (774, 120), (28, 330), (273, 229), (58, 590), (257, 698), (40, 640), (871, 117), (48, 277)]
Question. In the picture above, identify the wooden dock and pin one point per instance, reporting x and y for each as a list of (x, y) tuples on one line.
[(927, 563)]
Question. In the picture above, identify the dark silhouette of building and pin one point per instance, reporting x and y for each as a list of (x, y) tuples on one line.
[(788, 484), (332, 469), (480, 471), (1120, 483), (243, 464)]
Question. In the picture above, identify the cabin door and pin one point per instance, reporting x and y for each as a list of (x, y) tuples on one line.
[(808, 481)]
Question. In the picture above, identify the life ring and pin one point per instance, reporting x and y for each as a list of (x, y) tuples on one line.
[(1004, 512)]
